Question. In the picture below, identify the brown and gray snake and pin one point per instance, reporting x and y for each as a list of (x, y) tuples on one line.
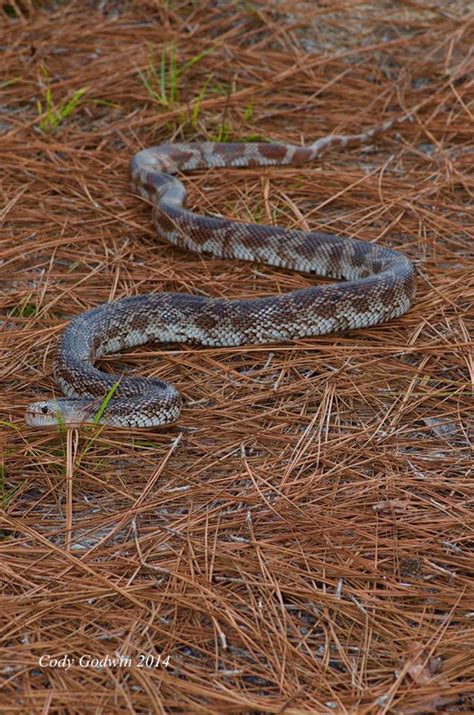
[(377, 284)]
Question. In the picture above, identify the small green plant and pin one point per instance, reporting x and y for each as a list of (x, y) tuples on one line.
[(25, 310), (248, 112), (105, 402), (254, 138), (96, 421), (224, 131), (162, 84), (223, 134), (9, 82), (9, 10), (52, 114)]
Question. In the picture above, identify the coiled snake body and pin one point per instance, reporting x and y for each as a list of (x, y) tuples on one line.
[(377, 284)]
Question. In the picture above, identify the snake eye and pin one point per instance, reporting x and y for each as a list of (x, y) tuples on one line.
[(44, 410)]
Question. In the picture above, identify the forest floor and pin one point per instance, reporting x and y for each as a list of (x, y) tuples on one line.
[(300, 540)]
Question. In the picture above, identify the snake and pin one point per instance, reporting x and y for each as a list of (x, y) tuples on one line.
[(374, 284)]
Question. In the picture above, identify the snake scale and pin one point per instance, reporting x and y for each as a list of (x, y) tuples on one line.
[(376, 284)]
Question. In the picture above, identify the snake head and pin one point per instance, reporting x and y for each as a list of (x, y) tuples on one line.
[(68, 412)]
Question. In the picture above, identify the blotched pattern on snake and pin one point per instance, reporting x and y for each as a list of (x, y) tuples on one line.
[(377, 284)]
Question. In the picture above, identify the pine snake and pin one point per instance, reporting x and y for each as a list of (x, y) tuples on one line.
[(377, 284)]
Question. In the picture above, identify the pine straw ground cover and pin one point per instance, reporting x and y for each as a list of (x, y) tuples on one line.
[(299, 541)]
